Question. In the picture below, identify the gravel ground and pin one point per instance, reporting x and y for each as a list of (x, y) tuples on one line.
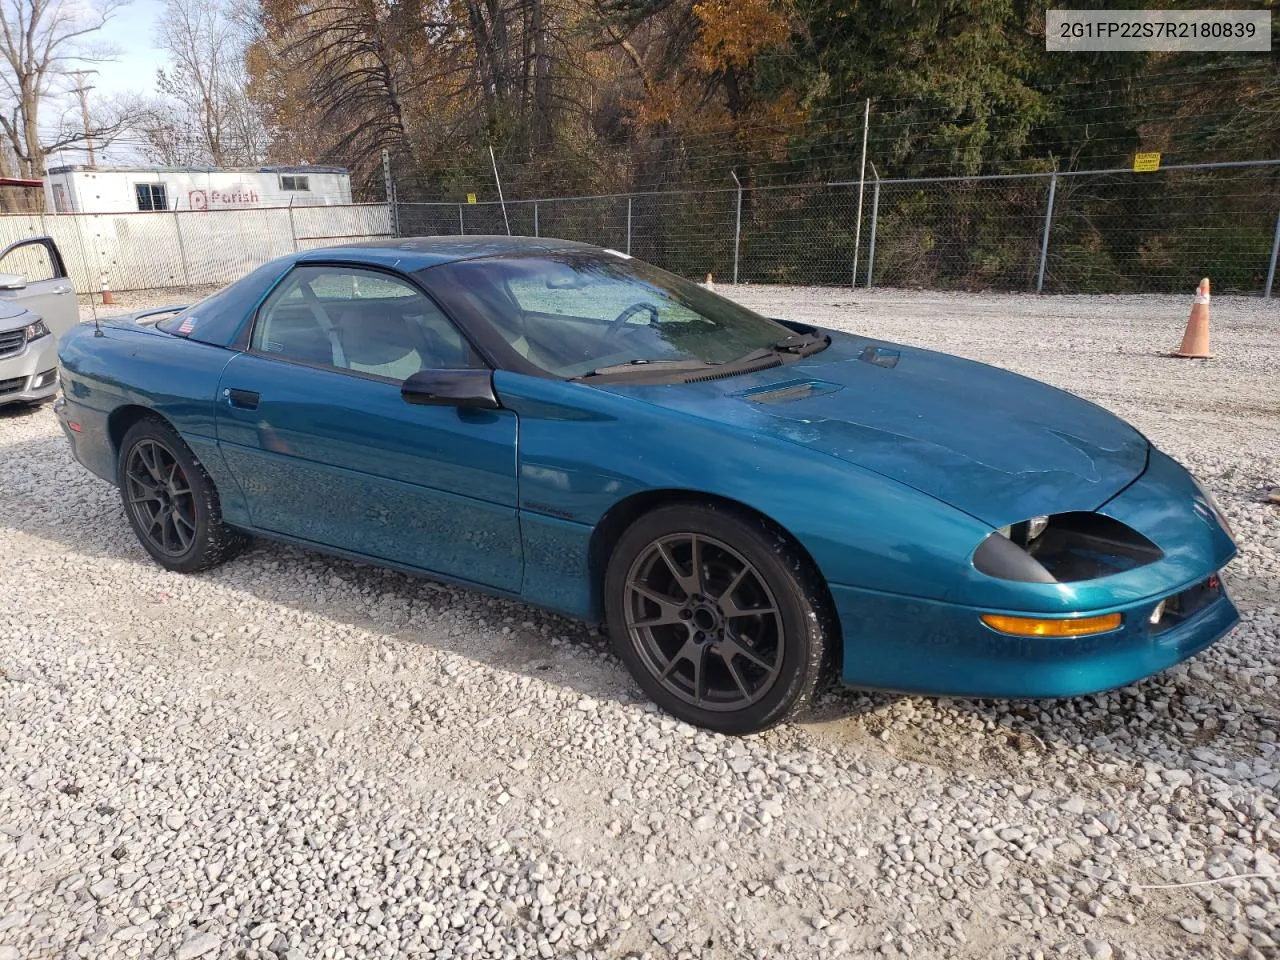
[(298, 757)]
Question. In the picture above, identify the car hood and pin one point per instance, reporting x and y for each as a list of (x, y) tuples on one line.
[(14, 315), (999, 446)]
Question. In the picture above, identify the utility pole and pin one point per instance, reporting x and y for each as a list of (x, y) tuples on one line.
[(83, 92)]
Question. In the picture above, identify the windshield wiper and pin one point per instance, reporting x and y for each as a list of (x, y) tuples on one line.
[(800, 344), (641, 365)]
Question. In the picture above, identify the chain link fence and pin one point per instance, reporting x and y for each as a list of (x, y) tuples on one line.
[(1110, 231)]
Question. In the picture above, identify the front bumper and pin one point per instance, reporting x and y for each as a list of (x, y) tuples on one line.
[(31, 374), (927, 647), (937, 647)]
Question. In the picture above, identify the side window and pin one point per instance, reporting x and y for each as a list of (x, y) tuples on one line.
[(31, 260), (358, 320), (151, 196)]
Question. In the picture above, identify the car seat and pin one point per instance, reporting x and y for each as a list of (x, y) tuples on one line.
[(379, 341), (297, 335)]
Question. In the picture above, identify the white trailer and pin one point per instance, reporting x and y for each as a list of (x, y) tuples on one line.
[(81, 189)]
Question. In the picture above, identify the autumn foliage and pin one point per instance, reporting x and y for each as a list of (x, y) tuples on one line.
[(612, 95)]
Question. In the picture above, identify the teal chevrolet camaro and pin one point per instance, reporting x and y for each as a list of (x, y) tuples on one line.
[(750, 504)]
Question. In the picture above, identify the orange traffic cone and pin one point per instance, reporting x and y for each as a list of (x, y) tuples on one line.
[(106, 292), (710, 284), (1195, 342)]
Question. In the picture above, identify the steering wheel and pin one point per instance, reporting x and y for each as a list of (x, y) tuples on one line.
[(616, 325)]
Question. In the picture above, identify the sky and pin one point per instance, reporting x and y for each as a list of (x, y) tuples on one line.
[(132, 32)]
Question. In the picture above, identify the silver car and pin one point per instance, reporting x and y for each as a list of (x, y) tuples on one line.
[(37, 305)]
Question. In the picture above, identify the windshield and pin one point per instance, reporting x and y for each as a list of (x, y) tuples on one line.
[(576, 312)]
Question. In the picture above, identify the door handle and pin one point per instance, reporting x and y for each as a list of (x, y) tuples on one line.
[(244, 399), (61, 289)]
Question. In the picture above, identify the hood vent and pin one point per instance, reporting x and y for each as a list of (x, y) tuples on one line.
[(789, 391), (880, 356)]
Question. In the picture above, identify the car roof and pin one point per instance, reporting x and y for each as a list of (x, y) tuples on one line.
[(222, 316), (417, 253)]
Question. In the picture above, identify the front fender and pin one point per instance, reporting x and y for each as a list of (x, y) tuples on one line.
[(583, 450)]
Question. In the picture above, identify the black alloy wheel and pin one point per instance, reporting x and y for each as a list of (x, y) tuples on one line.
[(705, 622), (160, 497), (170, 500), (719, 615)]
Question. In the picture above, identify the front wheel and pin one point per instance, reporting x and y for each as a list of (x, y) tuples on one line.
[(170, 500), (719, 617)]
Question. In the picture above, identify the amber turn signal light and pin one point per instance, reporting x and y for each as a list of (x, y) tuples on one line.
[(1040, 627)]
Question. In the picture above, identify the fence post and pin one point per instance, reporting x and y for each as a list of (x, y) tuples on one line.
[(1048, 223), (293, 230), (862, 182), (391, 192), (535, 218), (1275, 249), (498, 181), (737, 226), (84, 263), (182, 247), (875, 216), (462, 227), (628, 225)]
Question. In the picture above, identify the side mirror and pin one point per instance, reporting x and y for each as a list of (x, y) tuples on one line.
[(472, 389), (12, 281)]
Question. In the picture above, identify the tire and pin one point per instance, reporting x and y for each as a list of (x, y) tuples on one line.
[(157, 470), (737, 645)]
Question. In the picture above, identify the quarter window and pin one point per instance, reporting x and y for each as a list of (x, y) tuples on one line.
[(362, 321), (151, 196)]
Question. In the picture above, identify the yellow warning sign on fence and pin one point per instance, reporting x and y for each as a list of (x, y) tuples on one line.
[(471, 197), (1146, 162)]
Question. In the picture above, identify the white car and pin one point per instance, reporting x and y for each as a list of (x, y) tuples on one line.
[(37, 305)]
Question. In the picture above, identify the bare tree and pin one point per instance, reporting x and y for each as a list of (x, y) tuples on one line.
[(345, 71), (41, 42), (163, 132), (206, 84)]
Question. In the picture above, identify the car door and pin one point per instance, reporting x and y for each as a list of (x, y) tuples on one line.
[(32, 274), (312, 424)]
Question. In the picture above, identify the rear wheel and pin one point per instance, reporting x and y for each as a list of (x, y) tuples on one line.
[(719, 617), (170, 500)]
